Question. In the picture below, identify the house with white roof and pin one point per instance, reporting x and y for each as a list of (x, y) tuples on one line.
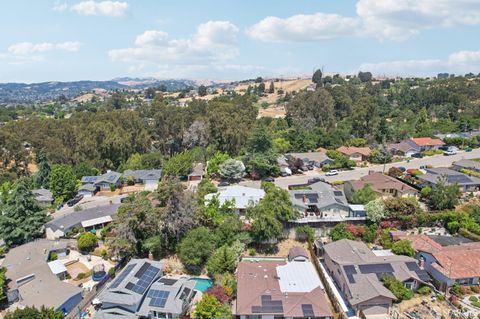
[(242, 197)]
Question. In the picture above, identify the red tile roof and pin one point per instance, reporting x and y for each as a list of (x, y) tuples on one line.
[(427, 141), (381, 182), (365, 151), (458, 261), (422, 243)]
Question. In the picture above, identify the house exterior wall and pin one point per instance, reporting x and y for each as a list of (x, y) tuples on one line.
[(377, 301)]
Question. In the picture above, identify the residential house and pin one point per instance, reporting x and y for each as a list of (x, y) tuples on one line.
[(450, 264), (358, 273), (43, 196), (87, 190), (141, 291), (148, 177), (284, 165), (197, 173), (403, 149), (316, 159), (435, 175), (34, 282), (241, 197), (90, 219), (356, 154), (469, 135), (276, 288), (384, 185), (320, 203), (424, 143), (466, 164), (103, 182)]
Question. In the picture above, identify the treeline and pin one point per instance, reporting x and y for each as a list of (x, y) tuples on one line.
[(336, 113)]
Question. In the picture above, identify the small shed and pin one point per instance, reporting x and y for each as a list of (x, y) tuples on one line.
[(298, 254), (58, 269)]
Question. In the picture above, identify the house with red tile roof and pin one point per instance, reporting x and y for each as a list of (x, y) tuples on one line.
[(357, 154), (278, 288), (425, 143), (447, 265)]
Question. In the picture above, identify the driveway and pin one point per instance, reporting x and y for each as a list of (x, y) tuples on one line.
[(435, 161), (90, 202)]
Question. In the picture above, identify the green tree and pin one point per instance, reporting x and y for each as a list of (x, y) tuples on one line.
[(44, 169), (386, 239), (443, 196), (262, 165), (281, 145), (376, 210), (261, 88), (180, 164), (340, 232), (214, 163), (403, 247), (380, 155), (365, 76), (305, 232), (277, 201), (195, 248), (232, 169), (271, 88), (33, 313), (265, 227), (3, 285), (397, 288), (86, 242), (84, 169), (152, 160), (222, 261), (62, 182), (22, 218), (134, 162), (202, 90), (210, 308), (317, 77), (364, 195), (228, 231), (259, 141)]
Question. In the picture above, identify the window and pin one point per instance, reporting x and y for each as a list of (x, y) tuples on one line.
[(465, 281)]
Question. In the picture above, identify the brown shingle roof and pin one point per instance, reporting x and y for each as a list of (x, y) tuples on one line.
[(257, 279), (380, 182), (365, 151), (458, 261)]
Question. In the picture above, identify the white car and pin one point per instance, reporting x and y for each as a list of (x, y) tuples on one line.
[(450, 152), (333, 172)]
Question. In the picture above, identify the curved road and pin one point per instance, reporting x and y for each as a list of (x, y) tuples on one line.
[(435, 161)]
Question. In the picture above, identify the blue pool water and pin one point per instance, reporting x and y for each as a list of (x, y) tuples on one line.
[(202, 284)]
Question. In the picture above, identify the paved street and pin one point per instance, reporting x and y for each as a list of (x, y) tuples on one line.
[(91, 202), (435, 161)]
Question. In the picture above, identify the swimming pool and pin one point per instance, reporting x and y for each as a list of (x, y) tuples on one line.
[(202, 284)]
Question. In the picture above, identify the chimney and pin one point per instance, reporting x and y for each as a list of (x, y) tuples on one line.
[(150, 255)]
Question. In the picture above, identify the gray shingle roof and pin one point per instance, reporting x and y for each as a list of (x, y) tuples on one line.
[(109, 177), (144, 174), (433, 176), (467, 164), (320, 194), (73, 219)]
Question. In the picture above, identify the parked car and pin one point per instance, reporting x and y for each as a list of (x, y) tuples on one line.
[(315, 180), (417, 155), (402, 169), (450, 152), (468, 149), (223, 184), (74, 200), (333, 172), (269, 179)]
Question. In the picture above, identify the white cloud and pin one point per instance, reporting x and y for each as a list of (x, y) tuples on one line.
[(214, 41), (303, 27), (60, 6), (26, 48), (459, 62), (386, 19), (101, 8)]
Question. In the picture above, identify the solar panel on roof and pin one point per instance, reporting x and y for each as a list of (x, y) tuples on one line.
[(459, 179), (338, 193), (307, 310), (412, 266), (349, 269), (167, 281), (145, 280), (351, 279), (158, 298), (111, 178), (122, 276), (375, 268), (142, 270), (312, 198), (268, 305)]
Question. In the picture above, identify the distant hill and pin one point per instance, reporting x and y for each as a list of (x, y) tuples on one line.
[(12, 93)]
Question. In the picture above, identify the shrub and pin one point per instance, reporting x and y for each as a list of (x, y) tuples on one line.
[(425, 290), (305, 232), (473, 298), (397, 288), (111, 272), (53, 256), (476, 304), (455, 289), (113, 188), (86, 242), (475, 289), (252, 252), (104, 254), (219, 293), (403, 247)]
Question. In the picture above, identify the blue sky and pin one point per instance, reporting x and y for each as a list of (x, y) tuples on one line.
[(58, 40)]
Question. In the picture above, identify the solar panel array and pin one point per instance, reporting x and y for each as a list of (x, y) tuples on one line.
[(111, 178), (338, 193), (142, 270), (308, 310), (422, 274), (459, 179), (268, 305), (312, 198), (122, 276), (158, 298), (168, 281), (145, 280), (89, 179), (376, 268)]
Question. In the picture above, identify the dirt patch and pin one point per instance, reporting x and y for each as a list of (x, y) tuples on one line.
[(425, 307), (173, 266), (275, 112), (76, 268), (282, 249)]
